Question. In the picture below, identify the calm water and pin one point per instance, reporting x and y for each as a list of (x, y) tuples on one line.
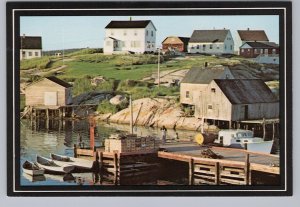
[(56, 136)]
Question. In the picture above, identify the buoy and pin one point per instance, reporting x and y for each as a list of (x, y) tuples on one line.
[(199, 138), (204, 138)]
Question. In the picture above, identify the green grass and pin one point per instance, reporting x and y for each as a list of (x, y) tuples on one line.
[(40, 63)]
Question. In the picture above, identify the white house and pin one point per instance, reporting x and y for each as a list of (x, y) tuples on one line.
[(30, 47), (129, 36), (211, 42)]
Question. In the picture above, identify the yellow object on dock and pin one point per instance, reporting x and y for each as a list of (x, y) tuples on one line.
[(199, 138)]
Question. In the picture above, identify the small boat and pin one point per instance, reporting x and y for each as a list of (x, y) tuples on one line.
[(61, 178), (51, 167), (80, 164), (32, 169), (244, 139), (35, 178)]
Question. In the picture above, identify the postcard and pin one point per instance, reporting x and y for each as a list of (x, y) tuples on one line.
[(149, 99)]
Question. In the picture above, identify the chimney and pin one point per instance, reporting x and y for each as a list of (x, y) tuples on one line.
[(248, 28), (130, 18), (23, 35)]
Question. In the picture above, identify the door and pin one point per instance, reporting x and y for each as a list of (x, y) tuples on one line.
[(50, 98)]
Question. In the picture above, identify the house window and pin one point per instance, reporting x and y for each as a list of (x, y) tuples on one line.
[(231, 47), (23, 54), (213, 90), (29, 53), (124, 32), (36, 53), (218, 47), (266, 51), (152, 33), (192, 47), (187, 94), (255, 51), (198, 47), (203, 48), (211, 46), (147, 32), (261, 51), (209, 106), (242, 50), (225, 46)]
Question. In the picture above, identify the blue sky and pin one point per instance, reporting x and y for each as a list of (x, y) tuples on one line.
[(66, 32)]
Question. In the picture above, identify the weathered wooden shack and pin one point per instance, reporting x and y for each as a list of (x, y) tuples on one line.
[(237, 100), (49, 91), (175, 43), (197, 79)]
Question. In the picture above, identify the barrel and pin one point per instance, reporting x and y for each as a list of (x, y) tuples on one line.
[(204, 138)]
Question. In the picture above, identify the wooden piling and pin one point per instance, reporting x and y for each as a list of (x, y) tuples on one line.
[(75, 150), (217, 173), (191, 171), (247, 170)]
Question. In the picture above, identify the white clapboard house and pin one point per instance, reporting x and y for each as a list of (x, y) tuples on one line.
[(135, 36), (31, 47), (211, 42)]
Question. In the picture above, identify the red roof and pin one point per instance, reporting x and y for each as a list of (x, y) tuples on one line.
[(253, 35)]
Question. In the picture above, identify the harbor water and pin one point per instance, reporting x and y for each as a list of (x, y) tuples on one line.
[(43, 137)]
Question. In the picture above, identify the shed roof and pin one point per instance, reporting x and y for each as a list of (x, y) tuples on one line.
[(31, 42), (246, 91), (261, 44), (128, 24), (209, 35), (59, 81), (184, 40), (253, 35), (203, 75)]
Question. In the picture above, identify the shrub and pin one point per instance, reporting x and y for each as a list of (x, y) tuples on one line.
[(82, 85), (105, 107)]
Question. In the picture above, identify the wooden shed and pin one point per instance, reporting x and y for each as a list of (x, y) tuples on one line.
[(49, 91), (196, 81), (175, 43), (237, 100)]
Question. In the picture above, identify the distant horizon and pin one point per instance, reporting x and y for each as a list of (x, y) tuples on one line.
[(78, 32)]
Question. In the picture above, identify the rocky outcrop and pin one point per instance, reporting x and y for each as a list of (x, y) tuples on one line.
[(118, 99), (156, 113)]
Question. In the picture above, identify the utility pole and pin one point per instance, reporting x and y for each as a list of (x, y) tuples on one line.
[(158, 67)]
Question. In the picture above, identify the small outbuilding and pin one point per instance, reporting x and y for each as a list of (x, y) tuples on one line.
[(237, 100), (179, 44), (49, 91), (254, 49)]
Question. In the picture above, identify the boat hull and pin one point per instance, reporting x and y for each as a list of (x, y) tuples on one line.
[(32, 169), (51, 167)]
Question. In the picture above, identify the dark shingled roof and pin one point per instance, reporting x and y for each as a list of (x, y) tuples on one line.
[(209, 35), (30, 42), (202, 75), (59, 81), (128, 24), (185, 40), (246, 91), (253, 35), (262, 44)]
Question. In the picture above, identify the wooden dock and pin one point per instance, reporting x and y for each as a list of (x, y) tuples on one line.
[(236, 167)]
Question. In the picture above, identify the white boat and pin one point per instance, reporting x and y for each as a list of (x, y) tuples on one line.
[(32, 169), (35, 178), (80, 164), (239, 138), (51, 167)]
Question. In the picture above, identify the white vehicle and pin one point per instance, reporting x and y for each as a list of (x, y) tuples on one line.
[(239, 138)]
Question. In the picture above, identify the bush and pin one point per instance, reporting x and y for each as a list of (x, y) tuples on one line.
[(108, 85), (105, 107), (82, 85)]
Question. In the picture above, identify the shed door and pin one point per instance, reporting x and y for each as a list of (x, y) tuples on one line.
[(50, 98)]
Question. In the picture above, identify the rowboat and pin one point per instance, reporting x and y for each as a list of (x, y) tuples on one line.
[(32, 169), (239, 138), (79, 164), (51, 167), (35, 178)]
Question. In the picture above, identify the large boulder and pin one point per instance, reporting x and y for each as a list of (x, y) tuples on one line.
[(117, 100)]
